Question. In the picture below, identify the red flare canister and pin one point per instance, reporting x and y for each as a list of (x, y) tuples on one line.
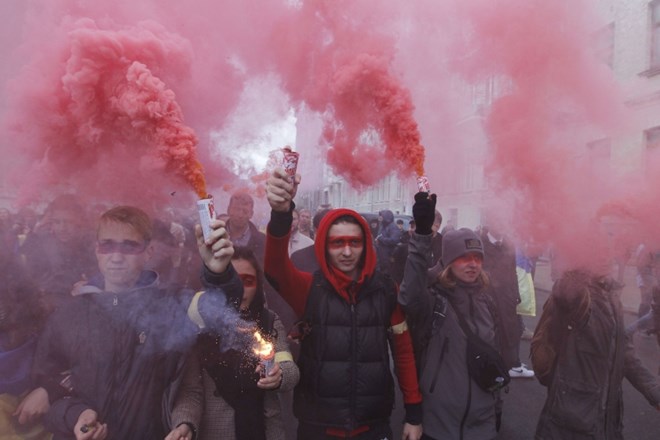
[(423, 184), (290, 162)]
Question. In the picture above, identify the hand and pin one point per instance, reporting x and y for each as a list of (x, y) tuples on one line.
[(181, 432), (424, 212), (273, 380), (280, 191), (32, 407), (217, 251), (77, 288), (89, 428), (412, 432)]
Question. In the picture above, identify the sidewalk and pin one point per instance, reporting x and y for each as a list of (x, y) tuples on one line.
[(630, 296)]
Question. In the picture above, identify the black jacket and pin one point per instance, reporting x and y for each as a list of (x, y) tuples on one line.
[(119, 353), (585, 399), (346, 380)]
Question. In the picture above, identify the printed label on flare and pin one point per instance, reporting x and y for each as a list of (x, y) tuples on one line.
[(206, 212)]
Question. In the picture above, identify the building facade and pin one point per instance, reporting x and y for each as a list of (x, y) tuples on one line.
[(628, 42)]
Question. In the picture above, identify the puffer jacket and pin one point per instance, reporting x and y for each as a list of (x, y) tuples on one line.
[(585, 398), (363, 309), (454, 406), (344, 360)]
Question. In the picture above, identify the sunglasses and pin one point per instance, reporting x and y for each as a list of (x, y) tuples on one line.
[(126, 247), (248, 280), (352, 241)]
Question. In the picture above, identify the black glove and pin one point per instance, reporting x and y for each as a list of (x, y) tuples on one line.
[(424, 212)]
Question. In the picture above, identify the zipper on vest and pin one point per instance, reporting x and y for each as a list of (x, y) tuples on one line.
[(115, 301), (353, 373)]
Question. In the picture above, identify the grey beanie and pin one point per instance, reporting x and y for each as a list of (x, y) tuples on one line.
[(458, 243)]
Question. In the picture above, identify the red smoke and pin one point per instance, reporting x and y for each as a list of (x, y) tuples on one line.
[(333, 61), (103, 109), (365, 94), (381, 74), (555, 97), (149, 111)]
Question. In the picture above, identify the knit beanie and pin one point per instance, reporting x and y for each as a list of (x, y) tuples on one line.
[(459, 242)]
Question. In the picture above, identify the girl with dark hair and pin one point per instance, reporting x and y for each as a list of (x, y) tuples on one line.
[(241, 400)]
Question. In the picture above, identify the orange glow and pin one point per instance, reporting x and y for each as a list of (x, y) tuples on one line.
[(262, 347)]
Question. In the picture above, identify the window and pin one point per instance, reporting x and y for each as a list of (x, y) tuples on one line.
[(652, 137), (652, 140), (399, 189), (604, 45), (453, 217), (655, 33), (599, 155)]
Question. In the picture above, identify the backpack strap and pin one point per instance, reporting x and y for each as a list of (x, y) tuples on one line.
[(423, 334)]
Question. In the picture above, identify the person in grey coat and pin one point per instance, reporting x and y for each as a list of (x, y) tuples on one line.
[(453, 404)]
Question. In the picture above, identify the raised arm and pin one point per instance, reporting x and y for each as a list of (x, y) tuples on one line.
[(413, 295), (292, 284)]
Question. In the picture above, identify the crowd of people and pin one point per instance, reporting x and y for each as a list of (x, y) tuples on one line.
[(115, 324)]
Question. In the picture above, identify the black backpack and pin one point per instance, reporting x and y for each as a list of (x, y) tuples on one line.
[(485, 364)]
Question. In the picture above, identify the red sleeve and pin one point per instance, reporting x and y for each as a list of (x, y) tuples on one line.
[(404, 358), (292, 284)]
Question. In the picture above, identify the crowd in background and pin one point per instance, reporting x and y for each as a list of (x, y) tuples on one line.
[(296, 282)]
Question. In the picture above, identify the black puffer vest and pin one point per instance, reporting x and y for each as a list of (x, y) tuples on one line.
[(345, 378)]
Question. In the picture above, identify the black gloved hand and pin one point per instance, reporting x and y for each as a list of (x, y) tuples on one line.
[(424, 212)]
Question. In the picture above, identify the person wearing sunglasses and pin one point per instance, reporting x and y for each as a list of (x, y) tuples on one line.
[(350, 320), (454, 405), (116, 362), (242, 401)]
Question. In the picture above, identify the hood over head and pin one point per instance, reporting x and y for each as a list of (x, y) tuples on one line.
[(368, 261), (388, 216)]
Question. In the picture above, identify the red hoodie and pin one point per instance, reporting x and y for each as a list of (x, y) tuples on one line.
[(294, 286)]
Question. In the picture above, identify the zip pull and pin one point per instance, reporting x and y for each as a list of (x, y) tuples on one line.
[(115, 301)]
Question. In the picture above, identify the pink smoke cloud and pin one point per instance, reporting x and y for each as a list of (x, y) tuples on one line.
[(346, 71), (559, 96), (381, 75)]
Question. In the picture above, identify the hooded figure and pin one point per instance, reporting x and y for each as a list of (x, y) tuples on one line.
[(349, 317), (388, 237)]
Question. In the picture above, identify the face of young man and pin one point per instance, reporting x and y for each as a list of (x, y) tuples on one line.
[(122, 255), (240, 212), (305, 219), (345, 246), (468, 267)]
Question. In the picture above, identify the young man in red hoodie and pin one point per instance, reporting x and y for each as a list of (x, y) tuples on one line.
[(350, 315)]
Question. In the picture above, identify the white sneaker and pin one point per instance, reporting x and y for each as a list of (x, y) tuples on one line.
[(527, 334), (521, 372)]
